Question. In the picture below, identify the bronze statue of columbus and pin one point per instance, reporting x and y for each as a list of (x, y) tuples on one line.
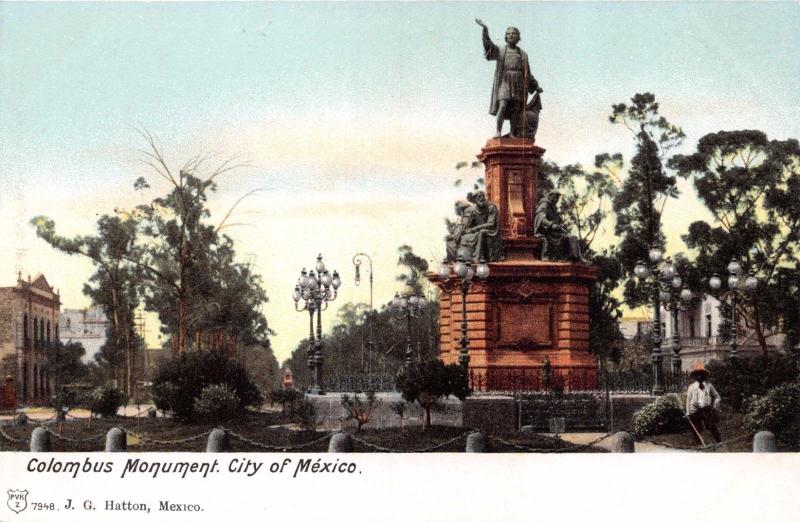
[(513, 82)]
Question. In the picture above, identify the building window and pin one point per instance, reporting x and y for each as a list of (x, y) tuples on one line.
[(25, 328), (68, 323), (708, 325), (691, 327)]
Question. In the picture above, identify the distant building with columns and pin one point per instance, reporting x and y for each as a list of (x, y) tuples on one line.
[(86, 326), (29, 324), (699, 339)]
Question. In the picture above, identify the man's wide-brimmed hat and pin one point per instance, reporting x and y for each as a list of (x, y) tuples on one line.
[(699, 369)]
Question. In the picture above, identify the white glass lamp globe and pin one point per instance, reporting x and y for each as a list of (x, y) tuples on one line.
[(751, 284), (482, 271), (734, 267), (715, 282), (686, 295), (444, 270), (655, 255)]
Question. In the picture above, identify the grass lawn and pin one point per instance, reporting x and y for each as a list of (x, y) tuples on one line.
[(267, 428), (730, 427)]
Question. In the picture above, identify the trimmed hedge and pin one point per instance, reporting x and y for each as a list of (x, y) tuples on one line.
[(779, 412), (181, 380), (742, 379), (661, 416)]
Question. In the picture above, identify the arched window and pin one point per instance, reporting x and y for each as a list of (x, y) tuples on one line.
[(25, 335), (35, 333), (35, 381), (48, 333)]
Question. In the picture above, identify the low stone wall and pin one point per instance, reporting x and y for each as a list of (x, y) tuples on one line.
[(331, 414), (488, 413)]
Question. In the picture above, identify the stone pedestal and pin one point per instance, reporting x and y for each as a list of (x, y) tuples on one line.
[(528, 310)]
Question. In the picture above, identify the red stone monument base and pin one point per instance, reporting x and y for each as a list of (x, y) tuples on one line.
[(526, 312)]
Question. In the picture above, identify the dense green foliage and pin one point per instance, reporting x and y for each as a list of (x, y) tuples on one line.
[(217, 402), (105, 401), (751, 186), (428, 382), (286, 397), (660, 416), (180, 380), (741, 380), (777, 411)]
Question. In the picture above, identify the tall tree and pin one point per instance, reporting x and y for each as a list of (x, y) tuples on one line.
[(114, 286), (751, 186), (640, 202)]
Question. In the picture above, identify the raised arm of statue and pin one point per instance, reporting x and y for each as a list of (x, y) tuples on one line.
[(490, 50)]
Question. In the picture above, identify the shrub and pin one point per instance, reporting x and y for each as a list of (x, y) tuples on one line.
[(742, 379), (777, 411), (105, 401), (660, 416), (63, 399), (217, 402), (180, 380), (285, 396), (304, 413), (399, 408), (358, 409), (427, 382)]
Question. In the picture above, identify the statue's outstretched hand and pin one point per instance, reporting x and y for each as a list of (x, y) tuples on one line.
[(480, 22)]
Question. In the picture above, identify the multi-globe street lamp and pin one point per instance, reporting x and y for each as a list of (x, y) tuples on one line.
[(464, 272), (741, 287), (675, 297), (315, 290), (369, 315), (408, 308), (656, 276)]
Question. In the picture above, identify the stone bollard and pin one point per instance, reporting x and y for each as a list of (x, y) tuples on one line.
[(527, 430), (40, 440), (116, 440), (218, 441), (764, 442), (151, 413), (21, 420), (340, 443), (622, 443), (477, 443)]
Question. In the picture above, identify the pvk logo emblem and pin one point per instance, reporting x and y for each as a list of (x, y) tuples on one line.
[(17, 499)]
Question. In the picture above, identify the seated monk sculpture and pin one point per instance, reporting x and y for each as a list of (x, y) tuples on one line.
[(557, 244), (476, 233)]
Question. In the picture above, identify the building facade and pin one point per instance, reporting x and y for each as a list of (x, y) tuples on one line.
[(29, 325), (699, 339), (86, 326)]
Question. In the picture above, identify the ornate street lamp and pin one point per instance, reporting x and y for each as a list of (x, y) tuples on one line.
[(674, 296), (316, 290), (408, 308), (464, 272), (368, 317), (655, 275), (741, 288)]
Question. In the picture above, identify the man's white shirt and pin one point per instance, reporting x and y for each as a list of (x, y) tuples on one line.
[(697, 398)]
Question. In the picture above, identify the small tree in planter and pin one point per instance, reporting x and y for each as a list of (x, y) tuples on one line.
[(399, 408), (285, 396), (358, 409), (430, 381)]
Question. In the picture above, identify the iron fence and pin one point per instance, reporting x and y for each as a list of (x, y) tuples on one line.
[(360, 383), (520, 380), (641, 381)]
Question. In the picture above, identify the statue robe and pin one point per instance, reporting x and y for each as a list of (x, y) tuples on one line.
[(492, 52)]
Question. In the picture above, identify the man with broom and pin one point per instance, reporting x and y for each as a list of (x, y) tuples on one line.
[(702, 404)]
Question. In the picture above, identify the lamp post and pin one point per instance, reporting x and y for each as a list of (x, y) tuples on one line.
[(654, 275), (408, 308), (316, 290), (464, 272), (675, 297), (368, 316), (741, 287)]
